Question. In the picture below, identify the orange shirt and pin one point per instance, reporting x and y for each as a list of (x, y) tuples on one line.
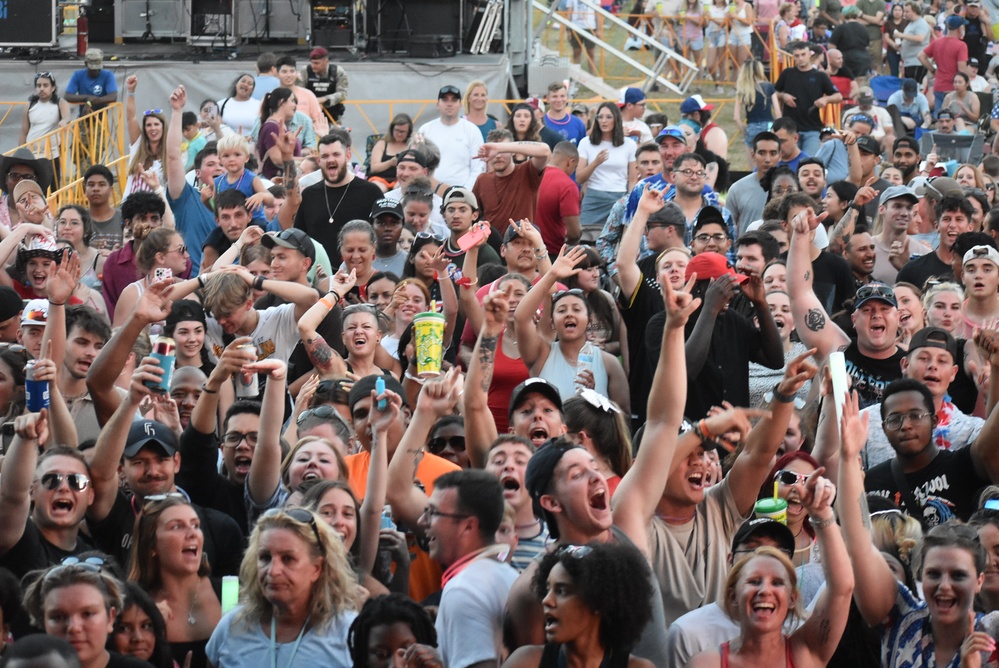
[(424, 572)]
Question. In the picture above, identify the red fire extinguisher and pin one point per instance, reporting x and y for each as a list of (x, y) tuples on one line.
[(81, 32)]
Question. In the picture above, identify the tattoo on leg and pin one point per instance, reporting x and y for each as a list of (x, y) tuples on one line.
[(815, 319)]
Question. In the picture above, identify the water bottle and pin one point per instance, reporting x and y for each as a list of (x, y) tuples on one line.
[(584, 363)]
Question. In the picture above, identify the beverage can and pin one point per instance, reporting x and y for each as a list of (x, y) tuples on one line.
[(36, 391), (428, 337), (247, 385), (164, 350)]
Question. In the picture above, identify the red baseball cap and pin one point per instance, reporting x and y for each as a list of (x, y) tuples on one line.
[(712, 265)]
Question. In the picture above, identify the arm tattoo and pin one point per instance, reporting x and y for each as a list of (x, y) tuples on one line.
[(487, 359), (808, 275), (289, 171), (815, 319), (319, 352)]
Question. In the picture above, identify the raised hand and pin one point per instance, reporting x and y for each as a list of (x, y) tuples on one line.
[(251, 236), (235, 357), (852, 428), (286, 142), (867, 193), (381, 420), (987, 341), (819, 494), (274, 368), (528, 231), (342, 283), (720, 292), (797, 372), (440, 395), (975, 642), (495, 310), (734, 420), (651, 200), (33, 426), (178, 98), (63, 277), (151, 179), (151, 371), (567, 263), (254, 202), (680, 304), (131, 83)]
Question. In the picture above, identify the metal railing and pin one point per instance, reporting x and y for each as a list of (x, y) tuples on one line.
[(95, 139)]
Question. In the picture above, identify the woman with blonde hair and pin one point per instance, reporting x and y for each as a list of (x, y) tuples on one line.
[(756, 104), (383, 160), (969, 176), (147, 145), (168, 561), (789, 28), (943, 305), (298, 597), (475, 101)]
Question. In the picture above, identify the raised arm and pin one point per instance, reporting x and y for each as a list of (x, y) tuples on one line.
[(480, 426), (822, 631), (448, 295), (374, 495), (302, 296), (985, 449), (537, 151), (287, 212), (325, 359), (876, 587), (265, 469), (628, 274), (18, 474), (467, 300), (176, 160), (251, 236), (811, 321), (62, 428), (134, 129), (642, 487), (204, 417), (59, 287)]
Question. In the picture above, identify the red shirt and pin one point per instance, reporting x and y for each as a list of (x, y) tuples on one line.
[(946, 53), (558, 198), (502, 198)]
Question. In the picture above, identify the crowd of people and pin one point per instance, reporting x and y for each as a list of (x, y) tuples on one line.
[(223, 445)]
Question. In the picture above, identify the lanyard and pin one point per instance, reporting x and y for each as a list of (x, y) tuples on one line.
[(294, 650)]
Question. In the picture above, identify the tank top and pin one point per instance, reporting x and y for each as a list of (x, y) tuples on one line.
[(552, 657), (508, 373), (740, 28), (43, 118), (562, 375), (243, 184), (788, 658), (388, 174)]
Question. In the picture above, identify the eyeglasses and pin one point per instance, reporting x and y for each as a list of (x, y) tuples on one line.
[(990, 186), (150, 112), (575, 292), (302, 516), (896, 420), (881, 290), (789, 478), (432, 513), (232, 439), (705, 238), (76, 481), (21, 176), (690, 172), (439, 443)]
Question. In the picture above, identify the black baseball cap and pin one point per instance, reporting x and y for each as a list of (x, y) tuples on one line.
[(538, 477), (411, 155), (531, 386), (146, 432), (364, 386), (906, 142), (292, 238), (764, 527), (869, 144), (387, 205), (934, 337), (448, 90)]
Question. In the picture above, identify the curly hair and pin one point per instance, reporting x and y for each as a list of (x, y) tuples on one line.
[(144, 562), (611, 580), (384, 611), (333, 593), (88, 225)]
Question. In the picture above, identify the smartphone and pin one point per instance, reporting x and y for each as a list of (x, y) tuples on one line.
[(162, 274), (472, 237)]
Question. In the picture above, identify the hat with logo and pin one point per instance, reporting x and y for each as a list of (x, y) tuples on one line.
[(630, 95), (869, 144), (934, 337), (448, 90), (150, 432), (894, 192), (695, 103), (865, 95), (535, 103), (982, 252), (671, 131), (534, 385), (875, 290), (389, 206), (94, 59), (764, 527), (35, 313), (710, 265), (292, 238)]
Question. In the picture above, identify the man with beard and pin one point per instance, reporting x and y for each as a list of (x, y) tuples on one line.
[(953, 216), (905, 157), (509, 191), (144, 453), (872, 359), (893, 245), (859, 254), (199, 444), (746, 198), (341, 197), (753, 251), (194, 219), (43, 499), (688, 181), (812, 177)]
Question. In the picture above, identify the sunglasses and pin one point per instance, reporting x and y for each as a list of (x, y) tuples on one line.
[(21, 176), (150, 112), (45, 75), (302, 516), (428, 235), (869, 291), (789, 478), (575, 551), (575, 292), (156, 498), (439, 443), (90, 564), (76, 481), (322, 412)]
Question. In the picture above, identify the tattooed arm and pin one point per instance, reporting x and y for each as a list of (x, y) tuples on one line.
[(480, 427), (327, 361), (877, 588), (810, 318), (286, 214)]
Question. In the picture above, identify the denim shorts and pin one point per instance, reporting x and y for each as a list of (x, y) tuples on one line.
[(696, 44), (735, 39), (715, 38), (753, 129)]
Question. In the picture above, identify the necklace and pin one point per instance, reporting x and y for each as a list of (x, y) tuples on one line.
[(190, 613), (327, 198)]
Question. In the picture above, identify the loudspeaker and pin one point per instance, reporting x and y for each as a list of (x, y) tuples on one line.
[(27, 23), (437, 20)]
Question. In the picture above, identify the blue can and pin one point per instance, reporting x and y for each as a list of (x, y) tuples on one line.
[(163, 350), (36, 391)]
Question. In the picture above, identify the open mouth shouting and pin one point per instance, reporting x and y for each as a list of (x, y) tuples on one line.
[(511, 486), (241, 465), (538, 435)]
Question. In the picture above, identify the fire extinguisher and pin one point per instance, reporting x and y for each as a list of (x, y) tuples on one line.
[(81, 32)]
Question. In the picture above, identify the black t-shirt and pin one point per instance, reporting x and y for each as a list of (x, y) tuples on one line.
[(852, 39), (870, 376), (806, 87), (343, 204), (199, 475), (962, 390), (833, 283), (33, 552), (946, 488), (923, 268), (223, 545), (637, 314), (123, 661)]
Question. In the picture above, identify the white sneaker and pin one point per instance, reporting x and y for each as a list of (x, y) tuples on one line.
[(633, 44)]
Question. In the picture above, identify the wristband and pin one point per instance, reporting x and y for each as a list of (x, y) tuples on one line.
[(701, 429), (822, 524), (201, 281), (326, 302), (258, 283), (204, 388), (780, 397)]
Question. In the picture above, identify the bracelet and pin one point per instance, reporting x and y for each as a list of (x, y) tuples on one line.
[(204, 388), (781, 397), (129, 93), (57, 303), (415, 379), (822, 524), (701, 429), (470, 284), (201, 281), (338, 297), (326, 302), (258, 283)]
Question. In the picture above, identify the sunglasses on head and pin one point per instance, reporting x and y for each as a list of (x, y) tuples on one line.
[(575, 551), (302, 516), (150, 112), (45, 75), (429, 235), (438, 444), (322, 412), (90, 564), (574, 292), (882, 291), (76, 481)]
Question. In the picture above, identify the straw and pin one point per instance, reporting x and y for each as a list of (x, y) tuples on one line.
[(775, 491), (433, 306)]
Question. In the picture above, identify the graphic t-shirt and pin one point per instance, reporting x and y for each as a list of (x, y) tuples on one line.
[(276, 334), (870, 376)]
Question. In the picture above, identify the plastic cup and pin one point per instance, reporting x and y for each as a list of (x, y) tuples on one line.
[(428, 337), (774, 509)]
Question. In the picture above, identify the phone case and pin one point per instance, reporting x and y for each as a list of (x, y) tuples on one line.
[(471, 238)]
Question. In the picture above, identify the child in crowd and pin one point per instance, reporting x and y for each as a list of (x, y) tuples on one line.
[(234, 152), (194, 141)]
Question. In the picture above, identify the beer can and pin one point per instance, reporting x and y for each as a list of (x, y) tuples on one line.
[(164, 350), (36, 391), (246, 384)]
